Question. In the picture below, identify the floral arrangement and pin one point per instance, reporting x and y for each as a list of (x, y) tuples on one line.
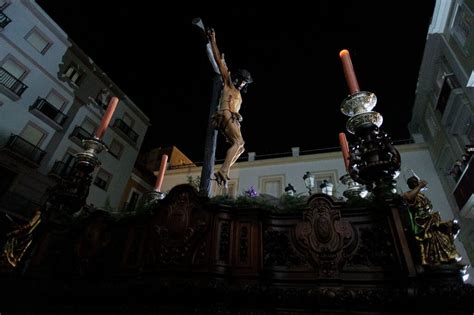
[(251, 192)]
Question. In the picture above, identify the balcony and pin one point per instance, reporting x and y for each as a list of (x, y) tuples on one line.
[(4, 20), (78, 134), (47, 109), (12, 84), (18, 205), (126, 131), (61, 170), (464, 189), (101, 103), (25, 149)]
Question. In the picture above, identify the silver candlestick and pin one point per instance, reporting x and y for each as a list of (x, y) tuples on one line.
[(88, 158), (354, 189)]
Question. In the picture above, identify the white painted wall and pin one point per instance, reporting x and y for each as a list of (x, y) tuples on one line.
[(41, 79), (25, 15), (42, 76)]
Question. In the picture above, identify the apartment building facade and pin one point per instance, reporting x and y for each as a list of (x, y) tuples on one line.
[(34, 102), (53, 95), (443, 113)]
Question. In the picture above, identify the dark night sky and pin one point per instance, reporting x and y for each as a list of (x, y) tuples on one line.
[(157, 57)]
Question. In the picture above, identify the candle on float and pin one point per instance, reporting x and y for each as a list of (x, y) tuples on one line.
[(161, 173), (99, 133), (349, 71), (345, 149)]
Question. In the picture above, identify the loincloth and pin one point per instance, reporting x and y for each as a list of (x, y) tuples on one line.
[(219, 120)]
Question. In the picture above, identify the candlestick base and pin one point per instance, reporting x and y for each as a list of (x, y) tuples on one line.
[(357, 103), (368, 119), (88, 158), (69, 195), (354, 189), (154, 196)]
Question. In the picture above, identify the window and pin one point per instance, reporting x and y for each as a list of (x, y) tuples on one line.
[(73, 73), (320, 178), (27, 144), (56, 100), (88, 126), (450, 83), (102, 179), (69, 158), (103, 97), (133, 199), (33, 134), (116, 149), (271, 185), (63, 168), (38, 41), (128, 120), (12, 72), (463, 24), (319, 181), (14, 69)]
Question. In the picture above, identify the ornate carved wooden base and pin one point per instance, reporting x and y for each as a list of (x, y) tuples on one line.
[(192, 256)]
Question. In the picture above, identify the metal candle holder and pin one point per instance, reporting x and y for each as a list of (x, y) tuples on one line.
[(374, 161)]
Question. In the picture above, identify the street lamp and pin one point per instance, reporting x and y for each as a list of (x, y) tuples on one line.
[(290, 190), (309, 181), (326, 187)]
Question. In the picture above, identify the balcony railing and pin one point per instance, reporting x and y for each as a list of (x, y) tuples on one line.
[(465, 186), (18, 205), (49, 111), (126, 130), (4, 20), (80, 133), (12, 83), (61, 169), (25, 149), (101, 103)]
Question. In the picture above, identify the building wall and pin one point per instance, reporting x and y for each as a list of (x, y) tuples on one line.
[(443, 113), (15, 113), (41, 68), (46, 71), (291, 169), (137, 184)]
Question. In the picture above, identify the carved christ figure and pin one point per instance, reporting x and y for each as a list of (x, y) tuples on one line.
[(227, 118)]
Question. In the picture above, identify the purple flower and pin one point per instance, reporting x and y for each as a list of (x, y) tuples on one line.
[(251, 192)]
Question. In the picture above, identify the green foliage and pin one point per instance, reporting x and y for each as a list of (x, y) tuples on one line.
[(194, 181), (284, 204), (223, 200), (291, 203)]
